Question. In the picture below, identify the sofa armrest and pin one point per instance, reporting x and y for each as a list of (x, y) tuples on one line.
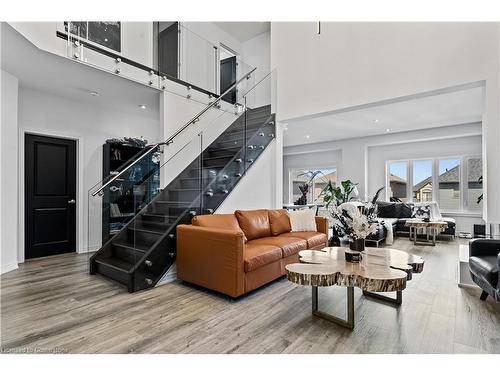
[(484, 247), (322, 224), (211, 257)]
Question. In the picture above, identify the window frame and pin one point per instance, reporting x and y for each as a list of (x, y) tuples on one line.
[(292, 171), (464, 207)]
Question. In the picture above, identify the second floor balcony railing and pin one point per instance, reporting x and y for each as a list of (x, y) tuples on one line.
[(156, 53)]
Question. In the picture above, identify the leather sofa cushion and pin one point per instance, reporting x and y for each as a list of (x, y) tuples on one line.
[(313, 238), (485, 267), (255, 224), (279, 221), (257, 255), (222, 221), (289, 245)]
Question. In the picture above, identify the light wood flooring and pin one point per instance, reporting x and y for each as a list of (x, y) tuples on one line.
[(52, 305)]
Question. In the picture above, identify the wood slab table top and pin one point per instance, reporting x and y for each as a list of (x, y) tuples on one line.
[(380, 270), (426, 224)]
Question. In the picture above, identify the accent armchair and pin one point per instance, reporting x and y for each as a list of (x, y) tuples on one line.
[(484, 261)]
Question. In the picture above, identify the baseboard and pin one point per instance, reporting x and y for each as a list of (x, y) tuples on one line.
[(8, 267), (88, 250)]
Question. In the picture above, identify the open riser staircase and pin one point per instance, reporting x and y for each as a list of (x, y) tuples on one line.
[(144, 250)]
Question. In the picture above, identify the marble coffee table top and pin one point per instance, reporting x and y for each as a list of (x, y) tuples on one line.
[(380, 270)]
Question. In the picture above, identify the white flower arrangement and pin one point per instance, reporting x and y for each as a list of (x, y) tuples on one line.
[(355, 223)]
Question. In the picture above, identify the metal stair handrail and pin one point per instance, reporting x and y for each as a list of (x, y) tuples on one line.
[(170, 140)]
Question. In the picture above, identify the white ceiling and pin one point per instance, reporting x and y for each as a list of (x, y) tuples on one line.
[(243, 31), (445, 109), (43, 71)]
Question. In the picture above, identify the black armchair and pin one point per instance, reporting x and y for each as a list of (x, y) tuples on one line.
[(484, 261)]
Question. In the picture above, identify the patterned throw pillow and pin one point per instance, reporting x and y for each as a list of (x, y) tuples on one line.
[(421, 212)]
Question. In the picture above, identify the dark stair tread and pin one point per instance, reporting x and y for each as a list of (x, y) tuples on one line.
[(194, 178), (116, 263), (145, 230), (221, 166), (187, 203), (153, 226), (218, 157), (181, 189), (160, 215), (137, 247), (213, 149)]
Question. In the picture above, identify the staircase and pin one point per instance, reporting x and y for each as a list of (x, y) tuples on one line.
[(143, 251)]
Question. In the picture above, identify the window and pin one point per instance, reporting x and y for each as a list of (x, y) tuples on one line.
[(422, 181), (449, 184), (107, 34), (455, 183), (474, 184), (302, 176), (398, 181)]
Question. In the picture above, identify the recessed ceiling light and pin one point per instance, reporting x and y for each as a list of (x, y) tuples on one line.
[(387, 130), (307, 136), (94, 93), (142, 106), (376, 120)]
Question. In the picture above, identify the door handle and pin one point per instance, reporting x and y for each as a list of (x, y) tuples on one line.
[(72, 201)]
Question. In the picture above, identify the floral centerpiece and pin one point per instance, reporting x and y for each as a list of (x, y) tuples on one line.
[(350, 220)]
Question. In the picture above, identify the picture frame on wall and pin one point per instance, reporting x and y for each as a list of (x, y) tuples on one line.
[(106, 33)]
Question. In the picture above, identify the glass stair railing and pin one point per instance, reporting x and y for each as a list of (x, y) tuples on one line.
[(176, 184)]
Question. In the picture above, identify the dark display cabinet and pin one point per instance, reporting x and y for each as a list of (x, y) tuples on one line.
[(131, 191)]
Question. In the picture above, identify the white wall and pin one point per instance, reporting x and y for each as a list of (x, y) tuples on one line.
[(257, 53), (357, 63), (90, 125), (214, 34), (199, 59), (137, 42), (363, 160), (257, 189), (8, 172)]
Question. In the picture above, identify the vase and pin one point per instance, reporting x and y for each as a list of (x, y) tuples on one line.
[(357, 244)]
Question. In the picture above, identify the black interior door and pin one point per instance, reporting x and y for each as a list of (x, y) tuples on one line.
[(50, 196), (168, 45), (228, 78)]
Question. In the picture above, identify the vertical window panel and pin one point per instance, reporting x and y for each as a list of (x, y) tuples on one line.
[(474, 184), (398, 181), (449, 184), (422, 181)]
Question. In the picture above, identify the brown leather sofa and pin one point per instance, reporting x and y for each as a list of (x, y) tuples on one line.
[(237, 253)]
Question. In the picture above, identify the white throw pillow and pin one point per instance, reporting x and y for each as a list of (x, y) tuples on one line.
[(302, 220)]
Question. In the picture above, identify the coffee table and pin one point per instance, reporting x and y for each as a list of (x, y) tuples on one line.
[(431, 228), (380, 270)]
